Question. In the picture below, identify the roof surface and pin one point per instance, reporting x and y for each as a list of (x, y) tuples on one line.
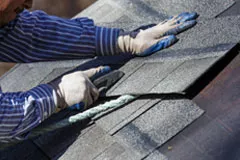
[(143, 129)]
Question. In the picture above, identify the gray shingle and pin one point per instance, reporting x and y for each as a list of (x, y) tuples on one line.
[(54, 144), (58, 64), (141, 10), (162, 77), (156, 155), (89, 145), (55, 73), (11, 80), (209, 38), (32, 74), (158, 125), (135, 115), (129, 154), (153, 10), (205, 8), (145, 78), (25, 150), (121, 117), (129, 68), (234, 10), (110, 153), (30, 79), (103, 11), (185, 75)]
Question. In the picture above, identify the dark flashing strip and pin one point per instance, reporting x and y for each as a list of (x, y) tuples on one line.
[(211, 73), (231, 11), (226, 9)]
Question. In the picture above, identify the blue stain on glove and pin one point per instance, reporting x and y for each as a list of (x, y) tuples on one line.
[(186, 21), (185, 16), (164, 43), (135, 32), (181, 28), (105, 70), (80, 106)]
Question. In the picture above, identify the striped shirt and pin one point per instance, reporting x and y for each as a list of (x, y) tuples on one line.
[(36, 36)]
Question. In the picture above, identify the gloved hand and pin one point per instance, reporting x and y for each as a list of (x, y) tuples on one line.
[(151, 38), (75, 88)]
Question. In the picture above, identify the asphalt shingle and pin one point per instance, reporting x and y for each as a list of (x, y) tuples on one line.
[(103, 11), (184, 76), (158, 124), (54, 144), (89, 145), (136, 130), (215, 37), (9, 82), (26, 150), (145, 78), (123, 10), (121, 117), (156, 155), (206, 8), (111, 153)]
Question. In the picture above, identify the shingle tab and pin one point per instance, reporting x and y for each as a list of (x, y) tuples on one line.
[(156, 155), (145, 78), (9, 82), (205, 8), (131, 10), (184, 76), (54, 144), (25, 150), (158, 124), (121, 117), (89, 146), (111, 153), (102, 10), (209, 38)]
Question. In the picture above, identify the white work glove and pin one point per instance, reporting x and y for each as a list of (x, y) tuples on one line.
[(75, 88), (149, 39)]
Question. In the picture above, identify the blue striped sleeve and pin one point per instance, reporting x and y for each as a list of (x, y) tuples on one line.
[(106, 41), (36, 36), (22, 111)]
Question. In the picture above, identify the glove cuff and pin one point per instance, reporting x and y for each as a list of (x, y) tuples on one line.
[(57, 97)]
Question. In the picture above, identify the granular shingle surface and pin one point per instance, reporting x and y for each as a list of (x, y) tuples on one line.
[(143, 129)]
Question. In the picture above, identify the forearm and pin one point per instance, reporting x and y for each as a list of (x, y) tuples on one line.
[(22, 111), (37, 36)]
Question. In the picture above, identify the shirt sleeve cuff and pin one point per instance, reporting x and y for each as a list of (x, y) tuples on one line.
[(43, 94), (106, 41)]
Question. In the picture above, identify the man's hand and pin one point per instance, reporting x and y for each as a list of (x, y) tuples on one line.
[(10, 8), (75, 88), (143, 42)]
